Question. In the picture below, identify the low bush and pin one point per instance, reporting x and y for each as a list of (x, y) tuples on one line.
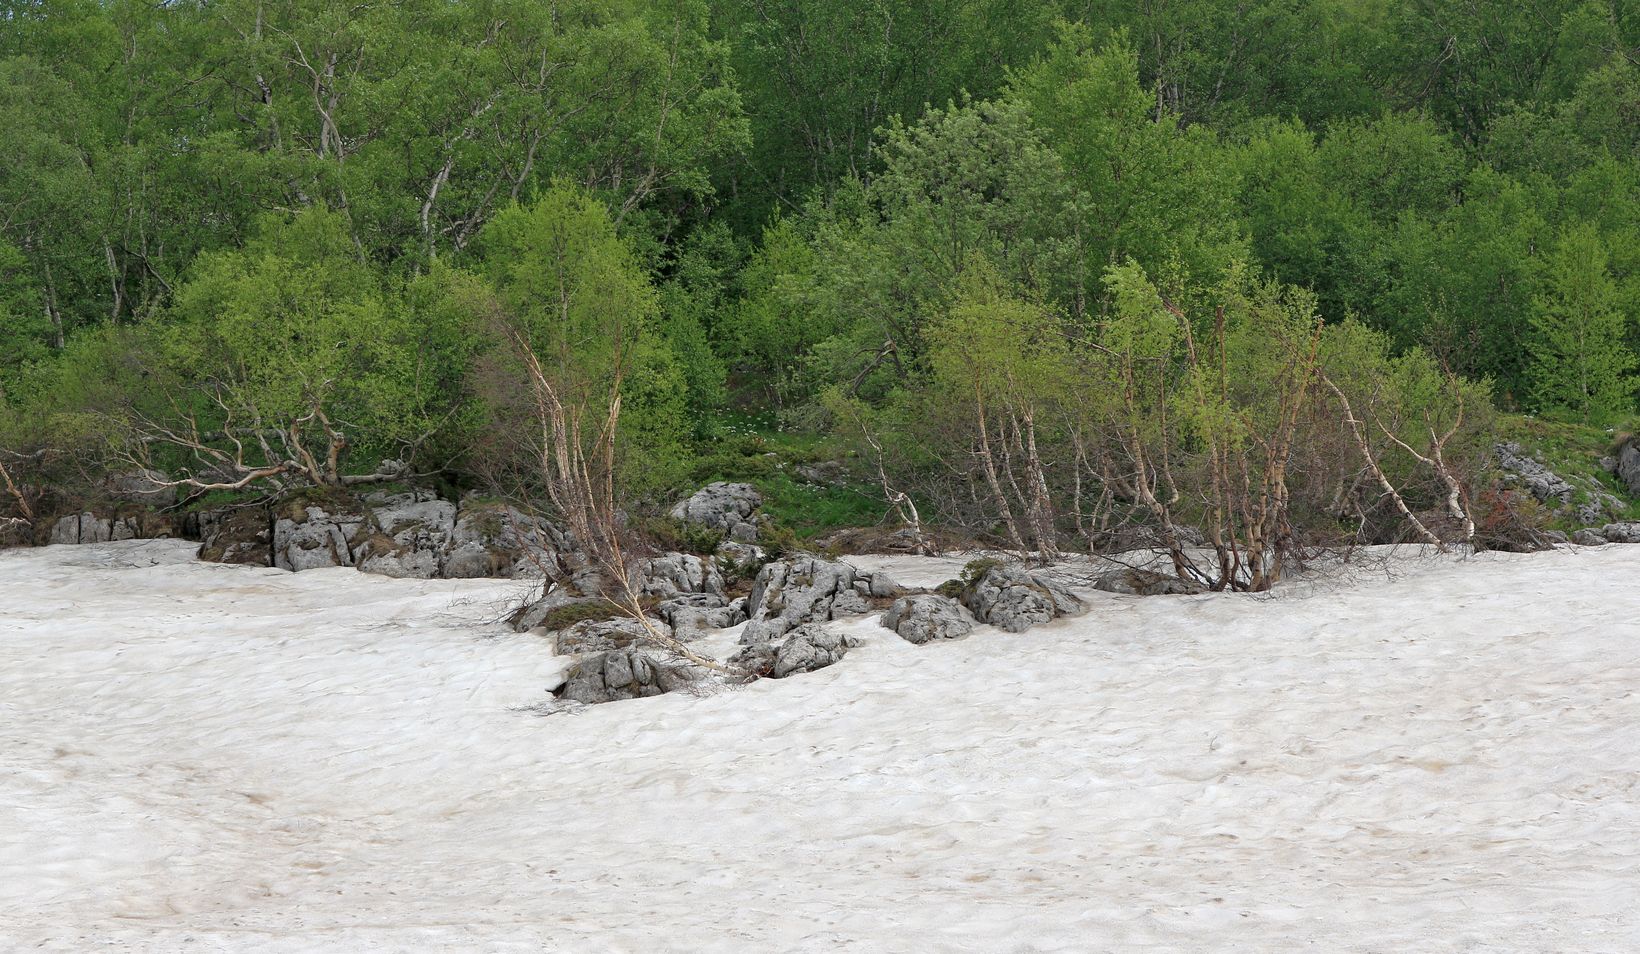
[(1510, 520), (669, 533)]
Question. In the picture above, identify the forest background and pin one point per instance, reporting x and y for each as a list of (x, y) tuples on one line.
[(1034, 270)]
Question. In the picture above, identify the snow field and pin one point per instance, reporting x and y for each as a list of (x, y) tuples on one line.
[(207, 758)]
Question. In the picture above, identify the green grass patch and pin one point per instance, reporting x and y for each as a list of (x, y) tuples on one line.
[(810, 509), (1573, 451), (754, 449)]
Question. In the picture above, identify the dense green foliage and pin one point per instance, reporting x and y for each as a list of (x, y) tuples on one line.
[(883, 217)]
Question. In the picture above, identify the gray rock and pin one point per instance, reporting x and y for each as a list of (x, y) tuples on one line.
[(757, 659), (1608, 464), (495, 540), (309, 537), (1627, 466), (92, 528), (621, 674), (67, 529), (1014, 599), (723, 506), (411, 534), (1591, 514), (1589, 538), (789, 593), (535, 613), (1137, 582), (741, 554), (1626, 532), (926, 617), (604, 635), (808, 648), (1540, 481), (824, 472), (673, 574), (692, 615), (408, 537)]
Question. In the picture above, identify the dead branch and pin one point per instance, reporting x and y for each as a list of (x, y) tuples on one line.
[(626, 600), (16, 493), (1436, 461), (1377, 471), (888, 349)]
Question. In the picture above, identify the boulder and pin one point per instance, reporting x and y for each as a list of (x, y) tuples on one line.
[(926, 617), (412, 534), (1014, 599), (1540, 481), (725, 507), (692, 615), (673, 574), (757, 659), (1627, 465), (494, 540), (95, 528), (621, 674), (1600, 507), (604, 635), (307, 536), (808, 648), (1137, 582), (1589, 538), (406, 536), (806, 589), (878, 586), (742, 553), (1626, 532), (567, 603), (67, 529)]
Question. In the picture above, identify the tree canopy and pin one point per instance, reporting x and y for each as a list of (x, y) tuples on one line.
[(288, 213)]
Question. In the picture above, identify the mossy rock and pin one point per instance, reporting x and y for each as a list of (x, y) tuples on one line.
[(569, 614)]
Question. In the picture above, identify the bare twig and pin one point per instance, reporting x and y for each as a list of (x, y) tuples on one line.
[(16, 493), (1373, 467)]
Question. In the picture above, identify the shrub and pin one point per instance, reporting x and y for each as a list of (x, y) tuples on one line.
[(736, 572), (974, 569), (778, 541), (668, 533), (1510, 520)]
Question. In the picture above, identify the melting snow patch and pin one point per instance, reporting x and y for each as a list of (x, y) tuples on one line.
[(214, 758)]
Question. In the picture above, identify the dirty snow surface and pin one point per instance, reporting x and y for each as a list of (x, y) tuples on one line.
[(209, 758)]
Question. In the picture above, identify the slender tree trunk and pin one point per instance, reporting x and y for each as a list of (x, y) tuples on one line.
[(1377, 471), (989, 465)]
